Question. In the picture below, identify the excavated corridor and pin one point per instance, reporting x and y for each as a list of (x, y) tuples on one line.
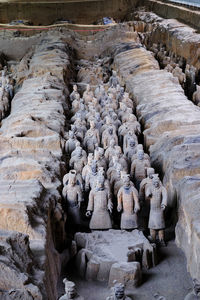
[(163, 279)]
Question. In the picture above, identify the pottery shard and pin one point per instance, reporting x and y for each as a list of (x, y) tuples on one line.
[(127, 273)]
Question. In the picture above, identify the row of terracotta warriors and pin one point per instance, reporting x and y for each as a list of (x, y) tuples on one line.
[(6, 92), (105, 156)]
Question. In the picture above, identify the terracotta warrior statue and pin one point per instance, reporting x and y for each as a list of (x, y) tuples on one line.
[(195, 294), (131, 149), (126, 100), (99, 206), (73, 197), (128, 203), (77, 149), (87, 168), (88, 95), (108, 124), (92, 139), (118, 293), (100, 158), (79, 179), (145, 182), (129, 135), (70, 144), (146, 156), (121, 159), (110, 151), (76, 103), (74, 93), (158, 202), (70, 291), (101, 172), (145, 204), (107, 135), (196, 96), (91, 177), (78, 161), (118, 181), (139, 168), (114, 80), (120, 93)]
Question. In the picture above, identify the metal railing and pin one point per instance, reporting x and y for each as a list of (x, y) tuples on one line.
[(192, 3)]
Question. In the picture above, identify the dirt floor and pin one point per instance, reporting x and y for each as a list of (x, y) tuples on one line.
[(169, 279)]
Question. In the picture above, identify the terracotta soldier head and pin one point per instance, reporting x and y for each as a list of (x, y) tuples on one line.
[(126, 180), (87, 87), (75, 88), (70, 288), (196, 287), (156, 181), (92, 124), (100, 183), (112, 143), (140, 154), (72, 177), (132, 143), (150, 172), (132, 118), (71, 134), (90, 158), (119, 290), (94, 167), (79, 151)]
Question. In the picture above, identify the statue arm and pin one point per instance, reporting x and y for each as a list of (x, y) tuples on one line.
[(110, 204), (85, 161), (119, 200), (80, 195), (138, 128), (106, 153), (71, 162), (66, 146), (132, 173), (91, 201), (136, 200), (98, 137), (85, 140), (116, 139), (141, 190), (148, 192), (64, 192), (87, 182), (164, 198)]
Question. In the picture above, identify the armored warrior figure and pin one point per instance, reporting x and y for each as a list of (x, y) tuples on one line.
[(87, 168), (138, 168), (88, 95), (99, 206), (128, 203), (73, 197), (74, 93), (70, 144), (118, 293), (78, 161), (195, 294), (114, 80), (158, 202), (70, 291), (91, 177), (92, 138)]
